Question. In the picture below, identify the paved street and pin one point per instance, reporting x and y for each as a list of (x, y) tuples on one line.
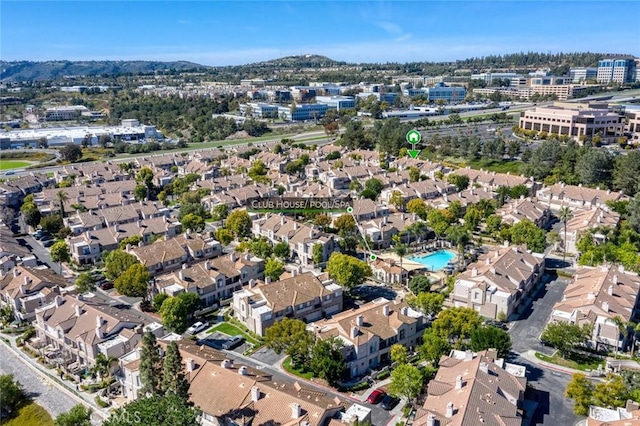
[(41, 390), (553, 408)]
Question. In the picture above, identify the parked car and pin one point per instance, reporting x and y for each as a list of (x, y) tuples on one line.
[(48, 243), (233, 342), (197, 327), (389, 402), (376, 396), (105, 284), (44, 235)]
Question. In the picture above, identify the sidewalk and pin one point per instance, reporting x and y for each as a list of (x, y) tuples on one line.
[(531, 356), (64, 385)]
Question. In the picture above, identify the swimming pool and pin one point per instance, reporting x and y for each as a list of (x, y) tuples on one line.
[(435, 261)]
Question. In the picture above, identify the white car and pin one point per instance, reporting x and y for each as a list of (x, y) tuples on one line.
[(197, 327)]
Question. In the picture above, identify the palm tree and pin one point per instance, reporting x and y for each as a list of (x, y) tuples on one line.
[(62, 198), (400, 250), (459, 237), (565, 214), (623, 329), (103, 365)]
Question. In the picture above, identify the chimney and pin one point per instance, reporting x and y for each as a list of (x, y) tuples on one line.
[(295, 410), (281, 220), (354, 332), (191, 365), (431, 420), (243, 371), (226, 363), (484, 367), (99, 321), (140, 243), (128, 247), (404, 311), (493, 271), (385, 310), (294, 272), (615, 279), (359, 320), (610, 290), (449, 412), (474, 272), (255, 393), (267, 280), (181, 275), (252, 283), (496, 254), (233, 257), (459, 382), (58, 301), (78, 310), (489, 260), (605, 306), (15, 272), (468, 355)]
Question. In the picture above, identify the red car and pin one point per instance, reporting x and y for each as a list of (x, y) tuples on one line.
[(376, 396)]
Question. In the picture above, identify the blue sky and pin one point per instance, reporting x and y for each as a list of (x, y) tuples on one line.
[(239, 32)]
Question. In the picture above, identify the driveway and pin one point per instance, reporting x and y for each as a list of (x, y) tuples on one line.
[(525, 331), (548, 386), (267, 356)]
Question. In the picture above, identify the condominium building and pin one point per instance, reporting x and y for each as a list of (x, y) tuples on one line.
[(498, 281), (632, 123), (474, 389), (369, 332), (616, 70), (599, 297), (303, 296), (575, 123)]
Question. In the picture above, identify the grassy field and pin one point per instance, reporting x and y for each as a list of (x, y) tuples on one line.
[(12, 164), (30, 415), (575, 361), (512, 167), (232, 330), (286, 364)]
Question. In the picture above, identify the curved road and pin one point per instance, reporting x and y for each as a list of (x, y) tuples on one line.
[(43, 392)]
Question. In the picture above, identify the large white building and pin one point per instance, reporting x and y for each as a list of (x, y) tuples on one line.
[(574, 122), (616, 70), (128, 131)]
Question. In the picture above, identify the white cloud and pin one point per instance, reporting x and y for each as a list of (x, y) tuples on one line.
[(390, 27)]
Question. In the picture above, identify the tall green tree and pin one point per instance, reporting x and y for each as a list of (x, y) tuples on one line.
[(79, 415), (489, 337), (456, 323), (155, 410), (347, 270), (291, 337), (134, 282), (419, 284), (429, 304), (13, 396), (327, 361), (30, 214), (626, 173), (273, 268), (434, 347), (62, 198), (239, 223), (565, 337), (60, 253), (406, 382), (85, 283), (117, 262), (174, 380), (580, 390), (174, 314), (150, 365), (398, 353)]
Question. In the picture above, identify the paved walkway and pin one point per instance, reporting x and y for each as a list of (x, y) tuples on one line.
[(66, 389)]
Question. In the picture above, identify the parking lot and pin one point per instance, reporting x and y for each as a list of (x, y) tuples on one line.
[(217, 339)]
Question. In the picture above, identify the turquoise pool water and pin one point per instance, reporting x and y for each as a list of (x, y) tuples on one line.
[(435, 261)]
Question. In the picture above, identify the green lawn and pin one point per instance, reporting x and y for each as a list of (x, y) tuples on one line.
[(575, 361), (31, 415), (286, 364), (512, 167), (12, 164), (232, 330)]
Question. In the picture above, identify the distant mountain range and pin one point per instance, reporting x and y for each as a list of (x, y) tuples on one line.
[(49, 70)]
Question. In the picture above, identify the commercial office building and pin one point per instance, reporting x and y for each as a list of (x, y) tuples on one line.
[(615, 70)]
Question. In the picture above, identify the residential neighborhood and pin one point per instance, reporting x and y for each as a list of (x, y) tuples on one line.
[(319, 242)]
